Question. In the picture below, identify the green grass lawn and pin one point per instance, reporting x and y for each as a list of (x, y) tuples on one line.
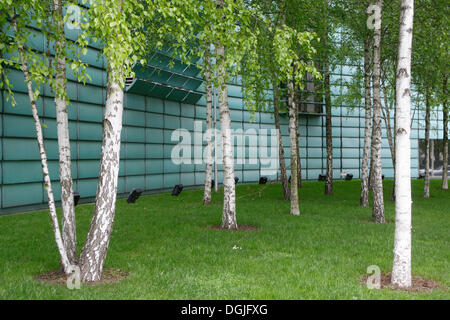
[(160, 241)]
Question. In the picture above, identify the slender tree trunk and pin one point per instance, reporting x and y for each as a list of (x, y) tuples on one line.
[(294, 149), (299, 163), (445, 137), (390, 137), (93, 254), (209, 160), (401, 271), (65, 263), (372, 154), (229, 201), (364, 199), (284, 179), (377, 187), (426, 188), (329, 136), (65, 170)]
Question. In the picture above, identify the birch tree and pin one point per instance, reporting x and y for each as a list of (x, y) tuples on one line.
[(65, 168), (329, 136), (119, 26), (401, 271), (377, 186), (445, 134), (19, 20), (209, 96), (229, 193), (364, 198)]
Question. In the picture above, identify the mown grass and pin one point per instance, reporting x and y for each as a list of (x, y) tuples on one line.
[(160, 241)]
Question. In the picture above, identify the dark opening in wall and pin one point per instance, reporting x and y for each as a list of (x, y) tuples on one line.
[(436, 157)]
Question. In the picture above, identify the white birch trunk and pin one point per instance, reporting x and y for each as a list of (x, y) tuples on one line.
[(445, 137), (364, 199), (377, 186), (390, 137), (294, 149), (229, 187), (65, 171), (93, 254), (284, 179), (209, 159), (66, 266), (426, 185), (401, 271)]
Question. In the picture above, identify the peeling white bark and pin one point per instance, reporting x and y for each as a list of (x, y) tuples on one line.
[(65, 171), (445, 137), (93, 254), (66, 266), (426, 182), (377, 182), (401, 271), (284, 179), (229, 192), (295, 210), (209, 159), (364, 199)]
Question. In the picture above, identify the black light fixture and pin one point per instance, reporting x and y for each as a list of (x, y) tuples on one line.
[(134, 195), (322, 177), (76, 198), (177, 189), (382, 177), (212, 183), (349, 176), (263, 180), (236, 180)]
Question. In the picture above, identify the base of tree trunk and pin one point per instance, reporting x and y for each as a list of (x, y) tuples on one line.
[(240, 228), (418, 284), (57, 277)]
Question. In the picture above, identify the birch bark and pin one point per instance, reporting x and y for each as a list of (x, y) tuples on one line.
[(94, 251), (401, 270), (426, 186), (284, 179), (329, 136), (66, 266), (294, 148), (364, 199), (445, 137), (65, 171), (229, 193), (209, 160), (377, 187)]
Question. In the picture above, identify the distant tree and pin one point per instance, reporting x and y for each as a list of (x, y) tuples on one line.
[(377, 185)]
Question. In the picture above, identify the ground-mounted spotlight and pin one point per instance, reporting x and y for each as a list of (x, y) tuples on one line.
[(349, 176), (212, 183), (236, 180), (76, 198), (322, 177), (134, 195), (177, 189), (263, 180), (382, 177)]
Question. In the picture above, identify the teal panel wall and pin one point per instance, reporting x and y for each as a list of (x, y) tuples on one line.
[(146, 138)]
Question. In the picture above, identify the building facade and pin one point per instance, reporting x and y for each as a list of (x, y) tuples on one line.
[(160, 100)]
